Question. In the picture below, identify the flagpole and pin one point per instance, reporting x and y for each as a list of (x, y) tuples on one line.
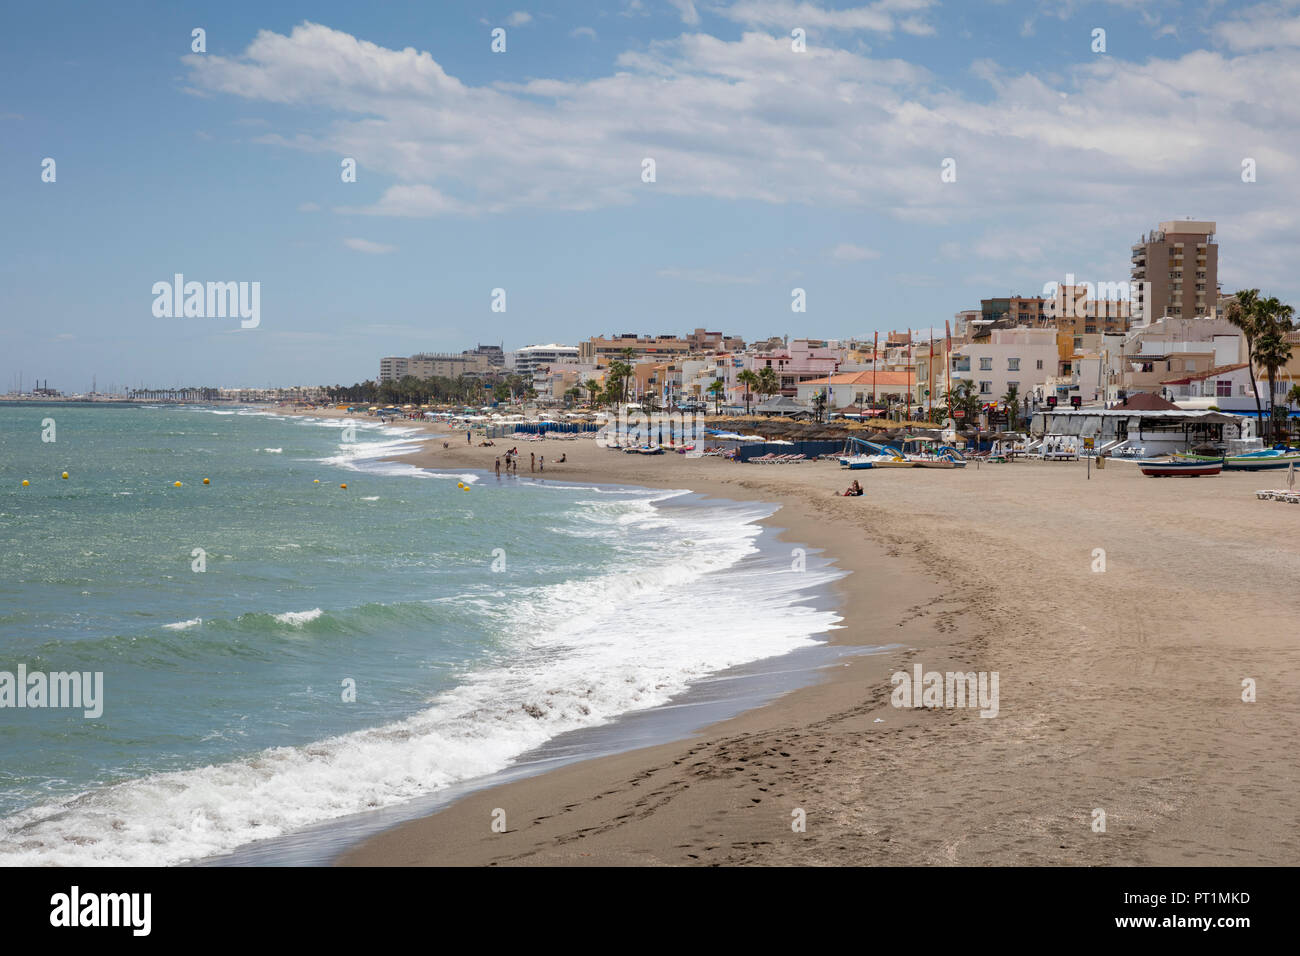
[(875, 361), (911, 373), (929, 381), (947, 365)]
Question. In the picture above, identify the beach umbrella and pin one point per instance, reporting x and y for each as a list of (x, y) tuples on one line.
[(1290, 475)]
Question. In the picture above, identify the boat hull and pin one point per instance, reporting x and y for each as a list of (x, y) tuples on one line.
[(1181, 469), (1249, 462)]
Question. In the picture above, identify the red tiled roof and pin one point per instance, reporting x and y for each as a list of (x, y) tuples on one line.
[(1146, 402), (1199, 376)]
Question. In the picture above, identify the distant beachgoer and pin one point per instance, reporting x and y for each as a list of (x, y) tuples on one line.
[(498, 467), (445, 445), (532, 461), (541, 463), (853, 490), (469, 437), (564, 458)]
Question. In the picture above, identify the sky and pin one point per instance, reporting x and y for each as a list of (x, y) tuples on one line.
[(523, 170)]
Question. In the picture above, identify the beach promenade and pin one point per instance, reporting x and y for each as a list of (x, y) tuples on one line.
[(1120, 689)]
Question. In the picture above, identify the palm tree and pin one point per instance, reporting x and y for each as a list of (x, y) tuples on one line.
[(1012, 401), (716, 389), (819, 406), (593, 387), (1272, 350), (1293, 396), (750, 380), (612, 394), (1243, 312), (618, 374), (768, 383)]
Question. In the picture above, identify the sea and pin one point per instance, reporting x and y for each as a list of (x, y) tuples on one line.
[(278, 651)]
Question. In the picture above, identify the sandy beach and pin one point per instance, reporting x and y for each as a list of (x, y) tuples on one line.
[(1120, 689)]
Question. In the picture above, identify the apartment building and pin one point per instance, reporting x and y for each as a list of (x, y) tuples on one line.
[(1180, 260), (532, 359), (1023, 357), (437, 364), (702, 341), (602, 350), (798, 362)]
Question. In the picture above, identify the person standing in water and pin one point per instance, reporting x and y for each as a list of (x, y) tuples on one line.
[(498, 467), (541, 463)]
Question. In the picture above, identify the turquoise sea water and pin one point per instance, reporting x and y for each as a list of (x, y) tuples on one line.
[(475, 624)]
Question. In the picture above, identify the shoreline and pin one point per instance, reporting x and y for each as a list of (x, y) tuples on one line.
[(789, 523), (1120, 691)]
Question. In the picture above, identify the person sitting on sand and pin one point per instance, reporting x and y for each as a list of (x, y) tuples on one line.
[(853, 490), (562, 458)]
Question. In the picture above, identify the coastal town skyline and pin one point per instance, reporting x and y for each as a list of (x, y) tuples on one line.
[(896, 161)]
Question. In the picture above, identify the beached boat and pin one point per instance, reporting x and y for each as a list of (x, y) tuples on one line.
[(650, 450), (1267, 460), (858, 462), (1174, 468)]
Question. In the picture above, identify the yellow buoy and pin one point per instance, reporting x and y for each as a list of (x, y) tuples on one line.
[(26, 482), (344, 486), (206, 481), (65, 474), (460, 484), (176, 484), (316, 481)]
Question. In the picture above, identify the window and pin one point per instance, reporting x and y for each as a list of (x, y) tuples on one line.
[(1011, 385), (1189, 366), (986, 364), (986, 388), (1013, 365), (1040, 363), (1223, 388)]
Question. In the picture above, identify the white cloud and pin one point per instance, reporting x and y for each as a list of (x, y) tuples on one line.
[(686, 8), (308, 207), (372, 248), (519, 18), (1266, 26), (847, 252), (879, 17), (1105, 147), (583, 32), (411, 202)]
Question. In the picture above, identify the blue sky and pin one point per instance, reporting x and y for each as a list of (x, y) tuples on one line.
[(775, 169)]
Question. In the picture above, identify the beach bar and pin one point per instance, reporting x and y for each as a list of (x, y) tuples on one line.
[(1147, 432)]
